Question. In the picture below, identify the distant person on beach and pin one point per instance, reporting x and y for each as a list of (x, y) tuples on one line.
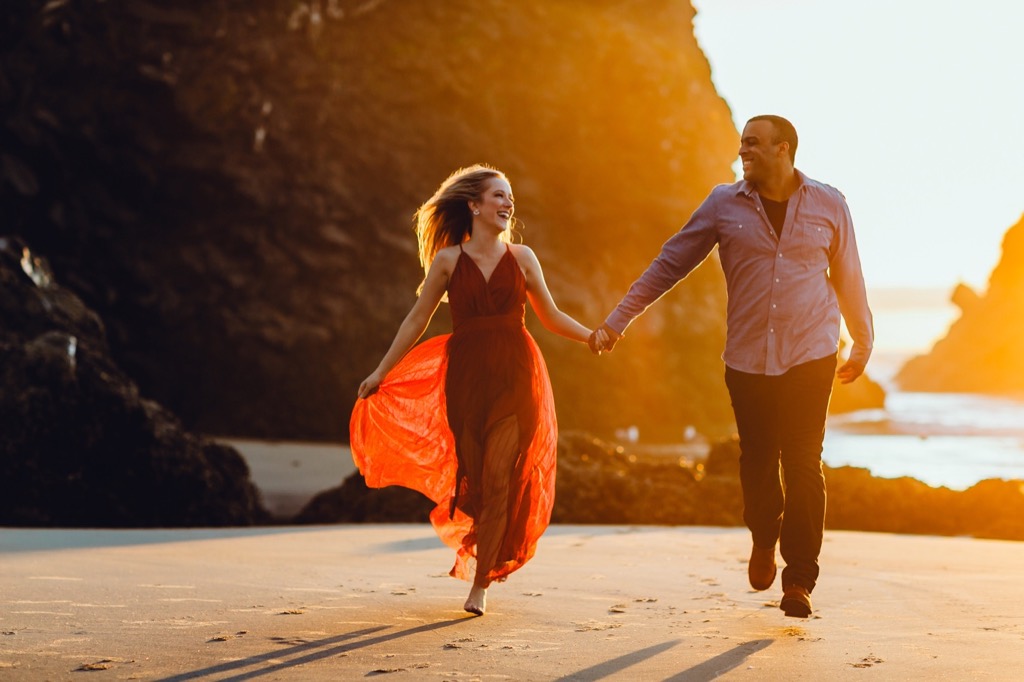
[(468, 418), (787, 248)]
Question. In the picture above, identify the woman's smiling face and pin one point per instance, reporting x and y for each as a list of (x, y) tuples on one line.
[(496, 204)]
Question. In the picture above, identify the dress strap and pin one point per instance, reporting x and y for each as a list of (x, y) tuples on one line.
[(460, 248)]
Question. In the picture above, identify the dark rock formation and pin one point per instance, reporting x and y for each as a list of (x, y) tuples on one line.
[(599, 482), (857, 500), (78, 445), (353, 502), (981, 353), (230, 184)]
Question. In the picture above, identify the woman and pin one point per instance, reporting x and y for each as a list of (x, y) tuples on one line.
[(468, 418)]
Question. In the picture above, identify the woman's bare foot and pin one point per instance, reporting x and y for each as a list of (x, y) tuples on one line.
[(477, 601)]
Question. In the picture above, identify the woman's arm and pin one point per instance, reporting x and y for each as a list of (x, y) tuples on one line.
[(415, 323), (543, 304)]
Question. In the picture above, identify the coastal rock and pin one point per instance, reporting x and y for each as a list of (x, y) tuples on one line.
[(964, 297), (857, 500), (597, 482), (230, 186), (79, 445), (604, 483), (862, 394), (353, 502), (981, 351)]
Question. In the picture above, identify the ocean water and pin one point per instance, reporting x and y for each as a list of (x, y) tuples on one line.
[(943, 439)]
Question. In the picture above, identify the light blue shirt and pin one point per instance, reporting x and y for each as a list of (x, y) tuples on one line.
[(786, 293)]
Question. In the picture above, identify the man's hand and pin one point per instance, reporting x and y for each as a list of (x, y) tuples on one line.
[(603, 338), (849, 371)]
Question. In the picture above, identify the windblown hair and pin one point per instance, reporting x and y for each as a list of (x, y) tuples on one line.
[(784, 132), (445, 219)]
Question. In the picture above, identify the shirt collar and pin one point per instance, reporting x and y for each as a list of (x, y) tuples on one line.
[(744, 187)]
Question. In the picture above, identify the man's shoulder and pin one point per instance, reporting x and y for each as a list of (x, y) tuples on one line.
[(822, 190), (726, 190)]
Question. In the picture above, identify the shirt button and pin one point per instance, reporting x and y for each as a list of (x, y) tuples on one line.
[(774, 306), (776, 279), (772, 330), (780, 255)]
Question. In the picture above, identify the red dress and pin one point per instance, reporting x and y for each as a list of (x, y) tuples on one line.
[(464, 412)]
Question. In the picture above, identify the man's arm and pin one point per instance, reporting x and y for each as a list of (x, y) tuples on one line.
[(683, 252), (848, 279)]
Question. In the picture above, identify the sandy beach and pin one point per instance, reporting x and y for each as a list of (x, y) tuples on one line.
[(597, 602)]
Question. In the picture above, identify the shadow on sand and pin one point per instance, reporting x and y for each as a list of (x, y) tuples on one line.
[(708, 670), (306, 652), (596, 672), (722, 663)]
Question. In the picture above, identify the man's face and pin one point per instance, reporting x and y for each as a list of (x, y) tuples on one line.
[(762, 159)]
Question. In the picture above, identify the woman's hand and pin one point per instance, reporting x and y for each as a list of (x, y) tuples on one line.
[(370, 385), (603, 339)]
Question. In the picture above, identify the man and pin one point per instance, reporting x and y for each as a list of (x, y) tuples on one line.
[(787, 247)]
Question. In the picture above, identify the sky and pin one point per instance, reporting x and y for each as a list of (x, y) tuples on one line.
[(914, 109)]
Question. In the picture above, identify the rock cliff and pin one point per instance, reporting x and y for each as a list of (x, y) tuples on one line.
[(230, 186), (981, 351), (79, 446)]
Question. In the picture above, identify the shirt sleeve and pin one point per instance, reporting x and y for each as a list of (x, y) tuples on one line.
[(683, 252), (848, 279)]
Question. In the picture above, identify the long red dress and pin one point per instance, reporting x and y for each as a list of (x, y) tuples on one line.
[(468, 420)]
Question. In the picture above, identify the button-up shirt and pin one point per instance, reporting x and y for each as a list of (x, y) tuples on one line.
[(786, 293)]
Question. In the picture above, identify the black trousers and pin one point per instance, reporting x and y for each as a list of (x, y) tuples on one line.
[(781, 420)]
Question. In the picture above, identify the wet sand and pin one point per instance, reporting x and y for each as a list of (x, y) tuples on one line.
[(597, 602)]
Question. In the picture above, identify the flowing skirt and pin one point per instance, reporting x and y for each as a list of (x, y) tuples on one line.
[(495, 394)]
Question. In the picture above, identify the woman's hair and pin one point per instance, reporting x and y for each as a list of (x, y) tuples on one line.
[(445, 219)]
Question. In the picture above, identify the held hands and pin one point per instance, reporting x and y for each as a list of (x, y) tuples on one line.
[(369, 386), (602, 339)]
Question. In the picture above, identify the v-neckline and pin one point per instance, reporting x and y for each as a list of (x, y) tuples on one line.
[(487, 280)]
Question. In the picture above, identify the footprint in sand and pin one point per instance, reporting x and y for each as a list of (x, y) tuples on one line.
[(867, 661), (595, 626)]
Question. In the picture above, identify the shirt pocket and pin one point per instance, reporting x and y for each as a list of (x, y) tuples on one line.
[(745, 237), (813, 244)]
